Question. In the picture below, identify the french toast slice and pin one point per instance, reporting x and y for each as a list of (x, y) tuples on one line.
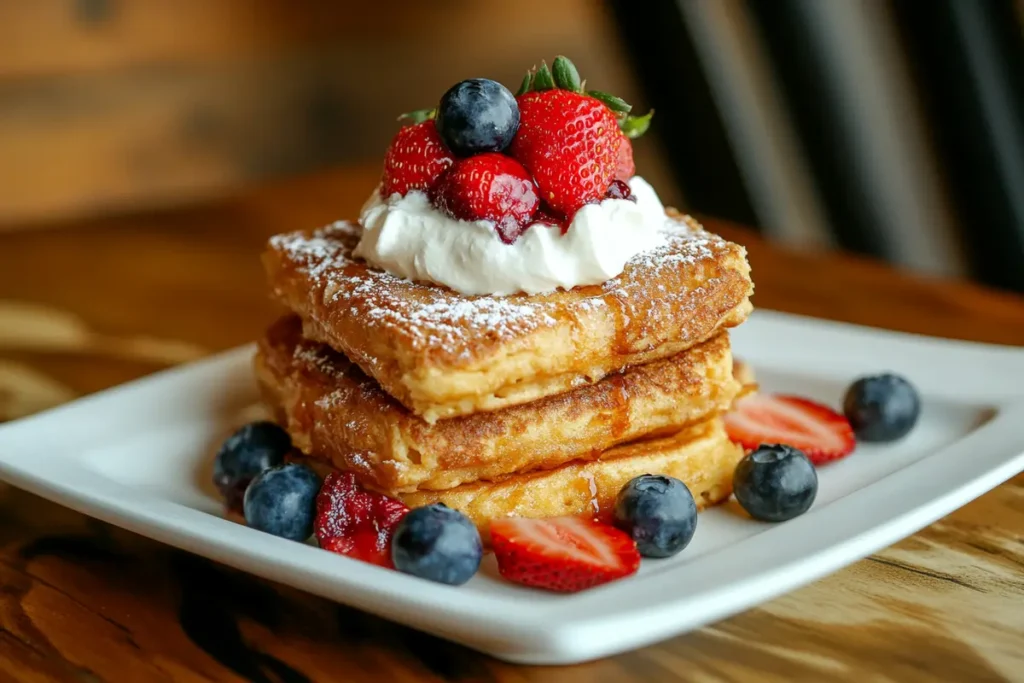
[(700, 455), (336, 413), (442, 354)]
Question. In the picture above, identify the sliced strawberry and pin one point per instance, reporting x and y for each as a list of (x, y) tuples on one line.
[(368, 546), (353, 521), (820, 432), (564, 554)]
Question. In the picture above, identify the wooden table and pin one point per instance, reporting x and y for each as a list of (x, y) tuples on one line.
[(87, 306)]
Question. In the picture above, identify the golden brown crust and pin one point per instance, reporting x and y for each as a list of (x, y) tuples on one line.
[(743, 372), (336, 412), (701, 456), (442, 354)]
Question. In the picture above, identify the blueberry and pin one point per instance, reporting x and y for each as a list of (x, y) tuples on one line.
[(478, 115), (882, 407), (775, 483), (437, 543), (252, 449), (282, 501), (658, 512)]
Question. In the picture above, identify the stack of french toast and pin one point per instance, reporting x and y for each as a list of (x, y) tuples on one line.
[(524, 405)]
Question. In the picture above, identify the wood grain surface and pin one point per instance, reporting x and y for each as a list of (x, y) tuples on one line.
[(87, 306), (108, 106)]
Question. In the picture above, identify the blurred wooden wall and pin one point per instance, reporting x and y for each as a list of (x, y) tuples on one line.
[(117, 105)]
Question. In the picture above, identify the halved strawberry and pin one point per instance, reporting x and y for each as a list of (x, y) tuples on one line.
[(564, 554), (820, 432), (353, 521)]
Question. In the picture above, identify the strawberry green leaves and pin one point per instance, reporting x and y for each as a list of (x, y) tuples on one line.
[(526, 85), (616, 104), (543, 79), (635, 126), (418, 116), (563, 75), (566, 75)]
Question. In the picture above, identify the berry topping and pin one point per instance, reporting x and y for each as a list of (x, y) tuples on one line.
[(775, 483), (438, 544), (818, 431), (570, 139), (882, 408), (243, 455), (624, 166), (546, 216), (490, 187), (280, 501), (565, 554), (620, 190), (415, 160), (658, 512), (478, 115), (353, 521)]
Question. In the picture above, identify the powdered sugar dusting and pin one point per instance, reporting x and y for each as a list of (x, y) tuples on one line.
[(650, 293), (684, 246), (311, 357), (332, 400), (435, 319), (431, 316), (317, 251)]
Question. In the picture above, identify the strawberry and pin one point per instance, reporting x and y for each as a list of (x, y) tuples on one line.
[(491, 187), (571, 139), (570, 142), (353, 521), (624, 166), (820, 432), (415, 159), (563, 554), (619, 189)]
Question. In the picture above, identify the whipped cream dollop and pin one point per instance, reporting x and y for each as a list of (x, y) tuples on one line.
[(408, 237)]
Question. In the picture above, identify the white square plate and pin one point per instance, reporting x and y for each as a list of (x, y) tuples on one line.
[(139, 456)]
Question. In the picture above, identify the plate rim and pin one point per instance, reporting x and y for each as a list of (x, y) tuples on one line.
[(535, 637)]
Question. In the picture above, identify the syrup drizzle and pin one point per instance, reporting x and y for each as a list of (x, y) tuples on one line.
[(622, 321), (595, 507), (619, 419)]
